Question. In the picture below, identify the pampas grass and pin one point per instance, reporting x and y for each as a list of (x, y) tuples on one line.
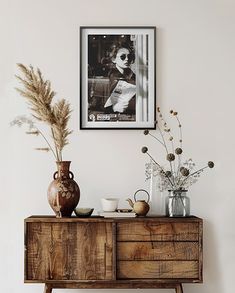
[(39, 95)]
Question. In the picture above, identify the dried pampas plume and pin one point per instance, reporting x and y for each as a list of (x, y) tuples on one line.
[(39, 95)]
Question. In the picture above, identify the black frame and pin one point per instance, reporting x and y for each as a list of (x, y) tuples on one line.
[(82, 28)]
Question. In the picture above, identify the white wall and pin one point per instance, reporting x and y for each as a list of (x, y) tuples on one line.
[(195, 75)]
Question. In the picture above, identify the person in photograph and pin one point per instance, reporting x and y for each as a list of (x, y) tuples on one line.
[(122, 81)]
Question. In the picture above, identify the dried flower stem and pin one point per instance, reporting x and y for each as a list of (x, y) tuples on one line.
[(192, 175), (157, 139), (163, 139), (180, 127), (164, 142), (167, 129), (57, 153), (173, 149), (169, 134), (181, 177), (160, 169), (179, 164), (33, 129), (183, 204), (46, 142), (178, 172)]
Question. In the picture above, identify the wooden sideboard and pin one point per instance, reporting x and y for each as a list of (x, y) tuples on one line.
[(95, 252)]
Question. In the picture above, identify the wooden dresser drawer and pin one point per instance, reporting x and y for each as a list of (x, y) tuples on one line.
[(165, 249), (157, 269), (157, 231), (157, 251)]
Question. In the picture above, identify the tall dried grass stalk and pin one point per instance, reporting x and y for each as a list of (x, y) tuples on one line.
[(39, 95)]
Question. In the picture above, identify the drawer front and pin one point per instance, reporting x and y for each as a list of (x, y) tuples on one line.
[(158, 231), (157, 250), (157, 269)]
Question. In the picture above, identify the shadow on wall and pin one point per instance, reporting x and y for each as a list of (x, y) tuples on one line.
[(212, 270)]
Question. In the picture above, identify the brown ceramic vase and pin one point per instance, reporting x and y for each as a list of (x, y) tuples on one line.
[(63, 192)]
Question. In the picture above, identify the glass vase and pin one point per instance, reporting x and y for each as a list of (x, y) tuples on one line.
[(177, 204), (157, 197)]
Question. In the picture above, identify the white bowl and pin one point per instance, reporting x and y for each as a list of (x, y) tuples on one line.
[(109, 204)]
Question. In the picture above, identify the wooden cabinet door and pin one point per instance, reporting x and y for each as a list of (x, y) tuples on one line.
[(68, 251)]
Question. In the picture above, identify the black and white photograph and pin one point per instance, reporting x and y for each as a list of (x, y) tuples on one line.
[(117, 77)]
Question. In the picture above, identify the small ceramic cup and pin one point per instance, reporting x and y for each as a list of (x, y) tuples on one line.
[(109, 204)]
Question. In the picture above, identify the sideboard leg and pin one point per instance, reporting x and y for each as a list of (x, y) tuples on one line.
[(47, 288), (179, 288)]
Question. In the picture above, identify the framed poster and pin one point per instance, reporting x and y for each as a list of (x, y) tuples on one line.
[(117, 77)]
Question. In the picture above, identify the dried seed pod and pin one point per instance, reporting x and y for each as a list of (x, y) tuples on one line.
[(185, 172), (175, 113), (211, 164), (171, 111), (144, 149), (178, 151), (170, 157), (168, 173), (171, 138), (146, 132), (181, 168)]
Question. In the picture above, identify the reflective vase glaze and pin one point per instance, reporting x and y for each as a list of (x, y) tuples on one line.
[(177, 204), (63, 192)]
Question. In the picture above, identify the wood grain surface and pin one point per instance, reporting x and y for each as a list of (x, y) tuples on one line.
[(157, 269), (157, 250), (154, 231), (69, 251), (154, 252)]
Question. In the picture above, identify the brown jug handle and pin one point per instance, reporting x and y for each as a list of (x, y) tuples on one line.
[(55, 176), (143, 191), (72, 176)]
